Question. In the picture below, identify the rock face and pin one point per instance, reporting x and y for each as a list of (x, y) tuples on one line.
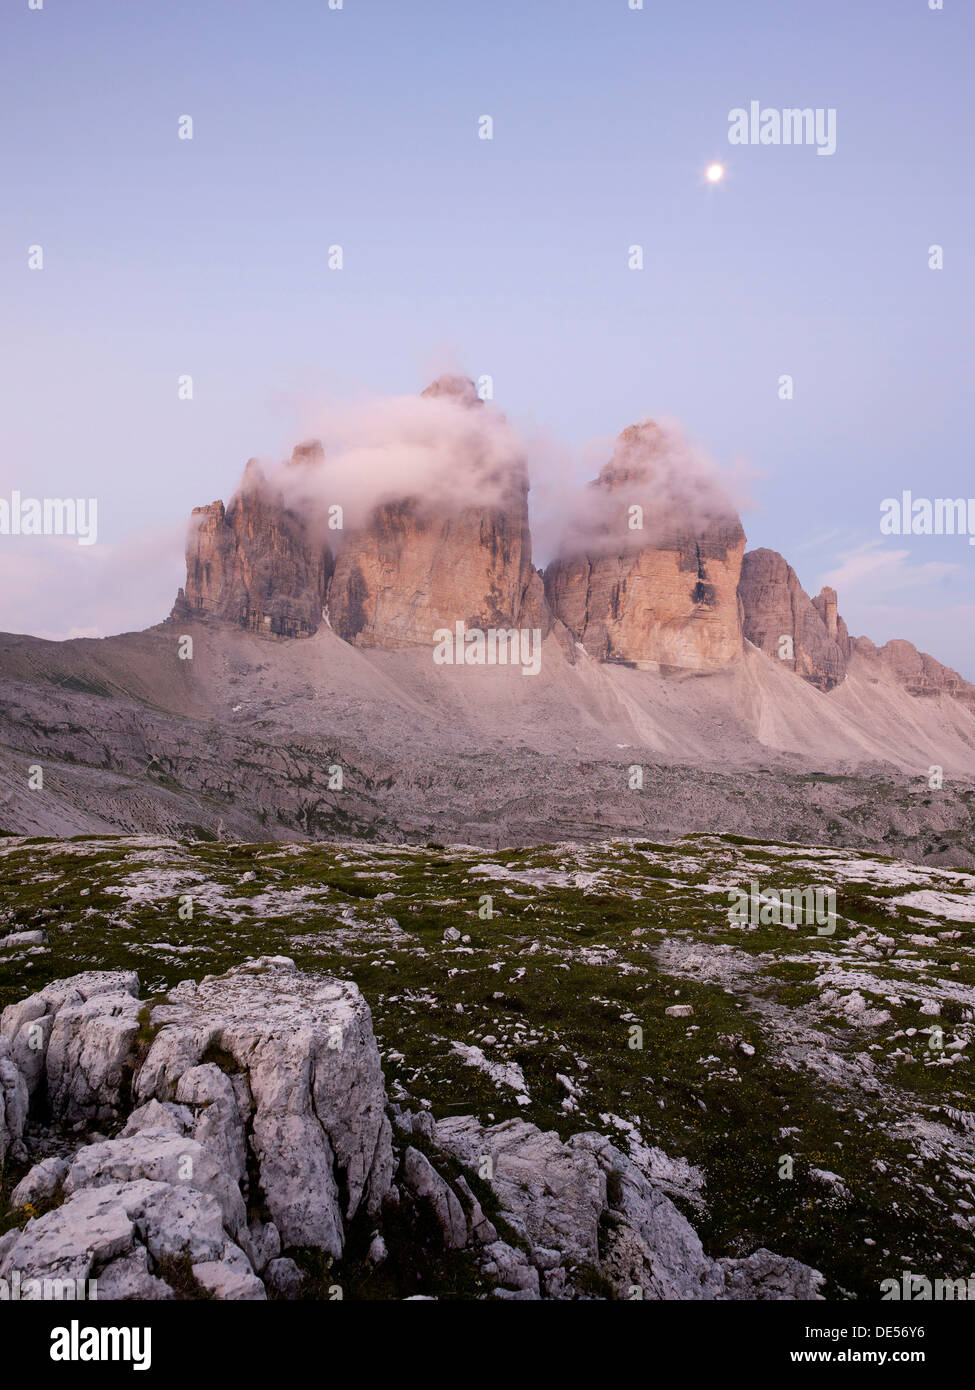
[(257, 563), (664, 597), (262, 1129), (779, 617), (421, 564), (583, 1206), (917, 672), (305, 1071), (652, 571), (291, 1124), (72, 1042)]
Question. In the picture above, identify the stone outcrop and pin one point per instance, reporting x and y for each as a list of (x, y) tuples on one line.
[(662, 597), (263, 1130), (420, 563), (779, 617), (257, 563), (919, 673), (582, 1207), (72, 1043), (306, 1074)]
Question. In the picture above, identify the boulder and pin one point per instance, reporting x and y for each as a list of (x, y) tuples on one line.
[(77, 1035), (301, 1050)]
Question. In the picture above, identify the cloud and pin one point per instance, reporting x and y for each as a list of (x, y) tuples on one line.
[(444, 452), (54, 588), (871, 572), (652, 466)]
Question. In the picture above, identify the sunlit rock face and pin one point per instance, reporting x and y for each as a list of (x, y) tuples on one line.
[(256, 563), (661, 594), (424, 563), (806, 635)]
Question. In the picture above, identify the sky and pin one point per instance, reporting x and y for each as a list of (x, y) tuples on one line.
[(508, 258)]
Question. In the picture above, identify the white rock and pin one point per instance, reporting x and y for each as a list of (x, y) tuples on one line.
[(78, 1033), (24, 938), (41, 1182), (163, 1157), (305, 1048), (14, 1102), (426, 1183)]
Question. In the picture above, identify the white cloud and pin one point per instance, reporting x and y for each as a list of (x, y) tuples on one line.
[(872, 572)]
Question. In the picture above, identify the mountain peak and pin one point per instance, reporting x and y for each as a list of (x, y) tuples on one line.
[(458, 388)]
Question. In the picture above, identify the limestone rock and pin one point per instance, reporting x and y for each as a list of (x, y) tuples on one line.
[(78, 1034), (425, 1182), (161, 1156), (283, 1278), (257, 562), (807, 635), (662, 597), (129, 1277), (14, 1099), (420, 564), (306, 1049), (764, 1276), (917, 672), (73, 1241), (551, 1195), (583, 1203), (40, 1183), (512, 1270)]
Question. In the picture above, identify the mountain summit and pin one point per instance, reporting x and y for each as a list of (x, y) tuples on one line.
[(682, 683)]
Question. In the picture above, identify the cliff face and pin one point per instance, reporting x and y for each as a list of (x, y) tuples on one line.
[(664, 597), (919, 673), (418, 564), (652, 572), (779, 617), (255, 563), (410, 571)]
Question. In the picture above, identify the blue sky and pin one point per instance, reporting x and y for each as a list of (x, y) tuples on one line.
[(508, 257)]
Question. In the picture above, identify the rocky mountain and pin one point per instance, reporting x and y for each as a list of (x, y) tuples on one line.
[(255, 563), (667, 603), (779, 617), (919, 673), (788, 727), (421, 564)]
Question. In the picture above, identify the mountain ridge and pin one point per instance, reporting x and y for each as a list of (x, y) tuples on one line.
[(684, 684)]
